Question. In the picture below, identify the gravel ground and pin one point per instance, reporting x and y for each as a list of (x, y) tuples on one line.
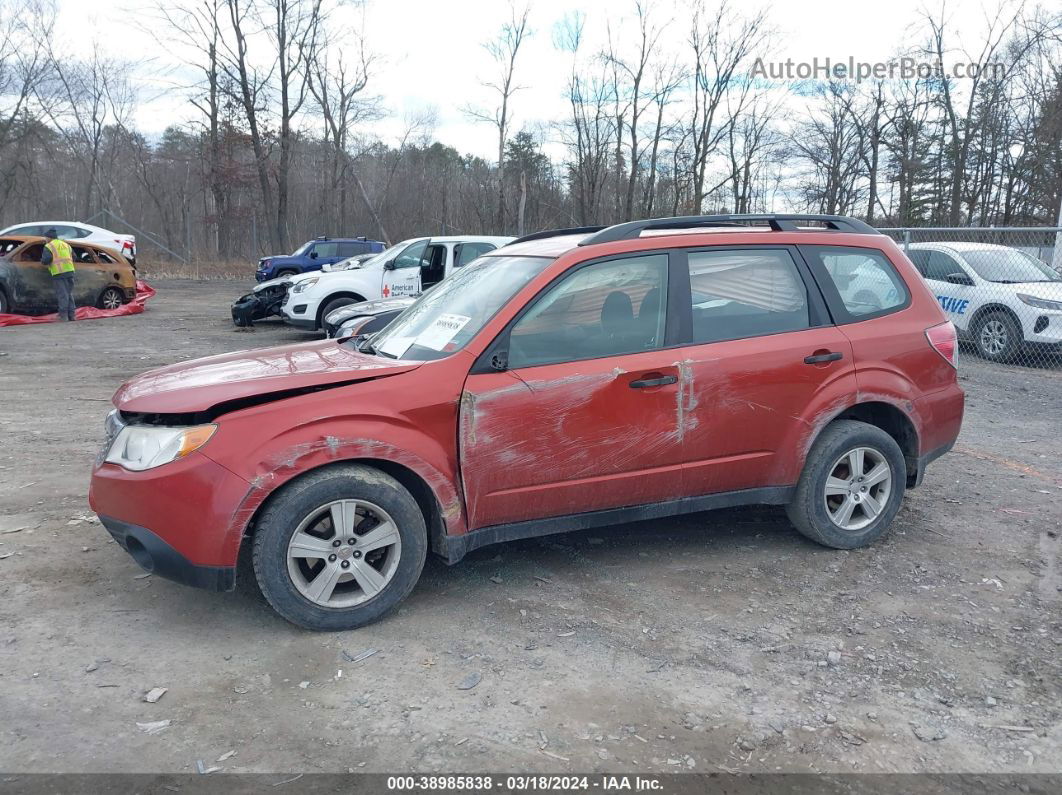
[(718, 641)]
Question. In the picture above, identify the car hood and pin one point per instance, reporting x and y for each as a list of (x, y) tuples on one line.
[(282, 280), (201, 384), (363, 308), (1051, 291)]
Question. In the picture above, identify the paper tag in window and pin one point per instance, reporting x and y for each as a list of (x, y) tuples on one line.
[(397, 346), (443, 329)]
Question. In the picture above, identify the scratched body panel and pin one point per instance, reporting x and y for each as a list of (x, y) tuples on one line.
[(564, 438)]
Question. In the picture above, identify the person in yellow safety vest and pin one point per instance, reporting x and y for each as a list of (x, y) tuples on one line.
[(59, 258)]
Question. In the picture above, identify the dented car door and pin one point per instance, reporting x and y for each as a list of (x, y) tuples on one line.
[(589, 413)]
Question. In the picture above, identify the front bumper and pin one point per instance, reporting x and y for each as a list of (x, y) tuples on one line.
[(156, 556), (181, 515)]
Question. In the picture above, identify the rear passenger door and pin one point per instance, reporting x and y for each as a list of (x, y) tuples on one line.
[(763, 363), (89, 277)]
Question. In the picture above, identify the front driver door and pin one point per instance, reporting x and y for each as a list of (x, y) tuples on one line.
[(401, 277), (588, 414)]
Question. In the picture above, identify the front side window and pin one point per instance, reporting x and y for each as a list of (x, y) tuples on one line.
[(866, 282), (444, 320), (603, 309), (412, 256), (940, 266), (324, 250), (745, 293)]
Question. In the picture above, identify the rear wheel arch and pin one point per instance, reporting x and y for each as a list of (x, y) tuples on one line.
[(894, 422)]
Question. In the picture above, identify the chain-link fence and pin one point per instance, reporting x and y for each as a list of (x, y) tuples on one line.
[(1000, 286)]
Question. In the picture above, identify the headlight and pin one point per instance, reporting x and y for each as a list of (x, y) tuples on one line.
[(1040, 303), (140, 447), (305, 284)]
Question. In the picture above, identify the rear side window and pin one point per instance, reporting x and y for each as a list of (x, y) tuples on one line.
[(864, 283), (350, 249), (746, 293), (466, 252), (603, 309)]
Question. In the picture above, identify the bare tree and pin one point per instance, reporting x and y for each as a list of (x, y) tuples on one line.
[(338, 87), (503, 51), (721, 41)]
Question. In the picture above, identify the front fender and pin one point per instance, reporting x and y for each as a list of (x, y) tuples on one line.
[(310, 437)]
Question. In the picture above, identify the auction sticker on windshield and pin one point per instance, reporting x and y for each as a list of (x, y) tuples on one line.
[(442, 330)]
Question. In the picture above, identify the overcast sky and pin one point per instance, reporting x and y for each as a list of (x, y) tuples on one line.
[(433, 58)]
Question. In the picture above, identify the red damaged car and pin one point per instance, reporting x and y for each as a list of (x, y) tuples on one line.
[(571, 379)]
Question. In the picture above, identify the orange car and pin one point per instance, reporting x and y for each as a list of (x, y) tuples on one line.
[(103, 278)]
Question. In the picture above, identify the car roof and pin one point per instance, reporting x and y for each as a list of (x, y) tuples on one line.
[(963, 246), (542, 247)]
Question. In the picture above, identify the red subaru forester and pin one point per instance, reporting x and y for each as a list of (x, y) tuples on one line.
[(571, 379)]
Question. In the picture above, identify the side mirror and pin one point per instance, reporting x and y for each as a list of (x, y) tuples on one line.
[(959, 278), (389, 265)]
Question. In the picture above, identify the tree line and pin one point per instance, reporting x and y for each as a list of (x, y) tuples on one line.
[(667, 117)]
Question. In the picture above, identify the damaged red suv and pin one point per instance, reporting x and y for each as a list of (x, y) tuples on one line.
[(571, 379)]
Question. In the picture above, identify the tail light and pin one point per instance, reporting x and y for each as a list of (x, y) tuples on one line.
[(944, 341)]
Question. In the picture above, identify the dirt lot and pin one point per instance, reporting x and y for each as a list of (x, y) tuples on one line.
[(719, 641)]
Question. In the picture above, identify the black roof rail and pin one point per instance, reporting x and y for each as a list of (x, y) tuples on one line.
[(777, 223), (575, 230)]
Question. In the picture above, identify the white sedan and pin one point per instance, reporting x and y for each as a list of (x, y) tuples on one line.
[(75, 230), (1003, 300)]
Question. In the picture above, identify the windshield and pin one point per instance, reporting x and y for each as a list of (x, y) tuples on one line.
[(383, 256), (444, 320), (302, 249), (1009, 266)]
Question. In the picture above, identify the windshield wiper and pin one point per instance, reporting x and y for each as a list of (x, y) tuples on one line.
[(363, 344)]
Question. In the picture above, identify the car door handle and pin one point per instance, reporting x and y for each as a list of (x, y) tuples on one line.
[(647, 382), (819, 358)]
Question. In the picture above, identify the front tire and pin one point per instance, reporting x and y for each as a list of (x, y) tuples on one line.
[(851, 487), (111, 298), (998, 337), (339, 548)]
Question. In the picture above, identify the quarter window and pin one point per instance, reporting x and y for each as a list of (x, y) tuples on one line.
[(603, 309), (866, 282), (745, 293)]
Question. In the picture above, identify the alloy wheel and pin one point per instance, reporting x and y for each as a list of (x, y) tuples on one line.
[(344, 553), (994, 338), (858, 488), (112, 299)]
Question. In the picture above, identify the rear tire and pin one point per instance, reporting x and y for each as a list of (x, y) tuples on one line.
[(5, 305), (851, 487), (998, 337), (295, 546), (111, 298)]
